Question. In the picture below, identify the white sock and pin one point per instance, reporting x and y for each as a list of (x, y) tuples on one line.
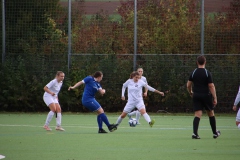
[(49, 118), (138, 114), (119, 120), (239, 126), (147, 118), (132, 113), (59, 119)]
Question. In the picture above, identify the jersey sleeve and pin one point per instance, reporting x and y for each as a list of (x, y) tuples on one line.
[(144, 79), (190, 77), (87, 79), (210, 80), (51, 83), (99, 86), (144, 84), (237, 98), (124, 87)]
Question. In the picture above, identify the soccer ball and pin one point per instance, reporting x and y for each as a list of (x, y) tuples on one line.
[(132, 122)]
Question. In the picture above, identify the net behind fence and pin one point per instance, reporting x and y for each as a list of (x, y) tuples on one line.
[(102, 34), (165, 73)]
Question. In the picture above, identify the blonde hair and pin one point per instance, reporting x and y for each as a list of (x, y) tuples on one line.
[(58, 73)]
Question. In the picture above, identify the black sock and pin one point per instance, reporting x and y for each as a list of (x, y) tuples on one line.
[(212, 121), (196, 121)]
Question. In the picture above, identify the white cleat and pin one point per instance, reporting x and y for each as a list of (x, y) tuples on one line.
[(47, 128), (60, 129)]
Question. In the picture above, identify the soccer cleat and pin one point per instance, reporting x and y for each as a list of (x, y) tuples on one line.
[(47, 128), (216, 135), (195, 137), (129, 116), (152, 122), (60, 128), (102, 131), (138, 123), (112, 127)]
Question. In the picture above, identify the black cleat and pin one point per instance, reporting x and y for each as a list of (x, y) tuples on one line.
[(195, 136), (102, 131), (112, 127), (218, 133)]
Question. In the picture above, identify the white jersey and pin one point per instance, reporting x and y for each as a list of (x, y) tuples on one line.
[(54, 87), (236, 103), (135, 89), (144, 79), (237, 98)]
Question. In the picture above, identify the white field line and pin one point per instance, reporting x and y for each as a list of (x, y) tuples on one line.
[(158, 127), (2, 156)]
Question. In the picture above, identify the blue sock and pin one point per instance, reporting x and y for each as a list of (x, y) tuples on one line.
[(99, 120), (104, 118)]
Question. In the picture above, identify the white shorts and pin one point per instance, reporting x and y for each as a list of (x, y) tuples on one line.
[(238, 116), (132, 104), (50, 99)]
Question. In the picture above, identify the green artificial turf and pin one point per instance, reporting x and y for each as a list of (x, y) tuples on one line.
[(23, 138)]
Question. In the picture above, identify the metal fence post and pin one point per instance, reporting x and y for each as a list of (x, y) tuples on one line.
[(202, 27), (135, 35), (3, 32), (69, 34)]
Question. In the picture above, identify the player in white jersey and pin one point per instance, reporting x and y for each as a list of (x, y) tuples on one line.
[(135, 98), (136, 112), (50, 98), (235, 108)]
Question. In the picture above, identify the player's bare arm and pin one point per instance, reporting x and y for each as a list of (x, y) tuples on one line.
[(211, 87), (189, 88), (76, 85)]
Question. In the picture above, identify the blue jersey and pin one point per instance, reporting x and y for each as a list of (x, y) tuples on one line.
[(90, 89)]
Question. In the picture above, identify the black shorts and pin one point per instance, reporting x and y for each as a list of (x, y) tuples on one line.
[(202, 101)]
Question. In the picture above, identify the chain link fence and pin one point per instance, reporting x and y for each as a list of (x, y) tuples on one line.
[(35, 44)]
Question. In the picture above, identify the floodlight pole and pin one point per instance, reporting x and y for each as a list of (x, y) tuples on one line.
[(135, 35), (202, 27)]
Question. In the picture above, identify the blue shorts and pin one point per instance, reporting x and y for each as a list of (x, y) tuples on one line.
[(92, 105)]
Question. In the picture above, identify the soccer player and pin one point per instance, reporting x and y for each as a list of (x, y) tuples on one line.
[(202, 90), (235, 109), (135, 98), (92, 85), (136, 112), (50, 98)]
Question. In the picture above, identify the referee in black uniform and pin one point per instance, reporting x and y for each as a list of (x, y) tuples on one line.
[(202, 90)]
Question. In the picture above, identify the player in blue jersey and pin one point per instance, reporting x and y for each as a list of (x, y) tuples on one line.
[(92, 86)]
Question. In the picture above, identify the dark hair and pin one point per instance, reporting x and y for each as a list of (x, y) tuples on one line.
[(97, 74), (133, 74), (201, 60)]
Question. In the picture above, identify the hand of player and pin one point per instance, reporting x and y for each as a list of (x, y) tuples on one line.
[(161, 93), (70, 88), (215, 102), (102, 91), (145, 94), (123, 98), (234, 108)]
